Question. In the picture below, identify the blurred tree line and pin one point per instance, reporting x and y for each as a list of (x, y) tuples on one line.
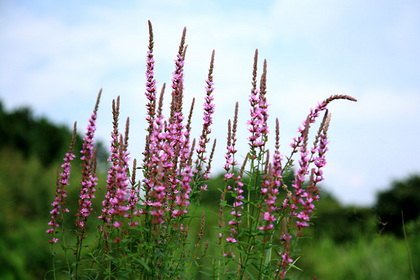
[(344, 223), (31, 149), (22, 132)]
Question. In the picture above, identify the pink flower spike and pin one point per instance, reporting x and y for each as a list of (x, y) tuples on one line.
[(89, 180), (207, 117), (62, 180)]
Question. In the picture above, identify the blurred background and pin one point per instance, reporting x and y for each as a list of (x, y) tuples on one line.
[(55, 56)]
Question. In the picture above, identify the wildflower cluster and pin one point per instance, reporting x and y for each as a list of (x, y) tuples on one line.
[(144, 226)]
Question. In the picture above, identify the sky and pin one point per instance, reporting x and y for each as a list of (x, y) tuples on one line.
[(55, 56)]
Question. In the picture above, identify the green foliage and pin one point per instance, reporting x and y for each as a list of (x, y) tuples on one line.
[(340, 223), (402, 200), (377, 257), (26, 189)]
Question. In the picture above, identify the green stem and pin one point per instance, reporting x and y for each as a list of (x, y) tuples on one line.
[(53, 260)]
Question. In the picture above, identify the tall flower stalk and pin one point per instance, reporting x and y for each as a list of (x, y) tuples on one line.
[(88, 183), (59, 204)]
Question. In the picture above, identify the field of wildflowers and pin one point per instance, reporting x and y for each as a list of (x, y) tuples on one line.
[(143, 226)]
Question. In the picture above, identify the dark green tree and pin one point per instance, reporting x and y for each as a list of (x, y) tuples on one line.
[(341, 223), (39, 137), (402, 200)]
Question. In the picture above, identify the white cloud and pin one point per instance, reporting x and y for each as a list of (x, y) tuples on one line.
[(57, 62)]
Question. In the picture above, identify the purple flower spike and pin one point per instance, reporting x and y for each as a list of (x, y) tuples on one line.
[(115, 203), (236, 188), (151, 81), (113, 158), (119, 202), (258, 122), (301, 196), (207, 117), (63, 180), (89, 180), (273, 185)]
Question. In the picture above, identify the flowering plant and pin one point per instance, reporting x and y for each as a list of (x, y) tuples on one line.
[(143, 230)]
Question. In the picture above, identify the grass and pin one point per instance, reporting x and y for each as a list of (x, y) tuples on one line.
[(378, 257)]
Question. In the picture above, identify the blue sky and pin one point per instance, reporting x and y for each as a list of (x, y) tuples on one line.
[(56, 55)]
